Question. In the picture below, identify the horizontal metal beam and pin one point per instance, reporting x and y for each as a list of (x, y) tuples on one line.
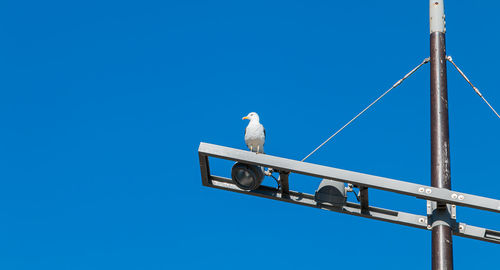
[(397, 217), (478, 233), (305, 199), (360, 179)]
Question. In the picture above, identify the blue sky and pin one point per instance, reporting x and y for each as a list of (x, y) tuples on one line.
[(104, 104)]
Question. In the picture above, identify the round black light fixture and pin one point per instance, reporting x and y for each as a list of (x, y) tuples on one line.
[(246, 176)]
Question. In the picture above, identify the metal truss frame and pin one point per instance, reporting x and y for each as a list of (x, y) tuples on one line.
[(364, 181)]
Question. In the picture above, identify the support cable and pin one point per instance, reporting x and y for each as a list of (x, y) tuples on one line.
[(473, 87), (425, 61)]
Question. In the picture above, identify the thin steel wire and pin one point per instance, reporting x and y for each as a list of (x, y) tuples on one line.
[(425, 61), (473, 87)]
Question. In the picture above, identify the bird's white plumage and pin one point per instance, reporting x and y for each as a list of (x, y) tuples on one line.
[(255, 134)]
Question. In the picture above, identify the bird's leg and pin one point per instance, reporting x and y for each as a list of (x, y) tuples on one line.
[(251, 148), (258, 148)]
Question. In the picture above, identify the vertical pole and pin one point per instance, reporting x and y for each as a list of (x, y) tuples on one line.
[(442, 245)]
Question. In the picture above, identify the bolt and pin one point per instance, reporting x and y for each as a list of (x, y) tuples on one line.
[(421, 189), (454, 196), (461, 197), (428, 191), (429, 227), (421, 220), (461, 227), (453, 206)]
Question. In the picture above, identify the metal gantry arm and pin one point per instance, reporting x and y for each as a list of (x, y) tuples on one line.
[(359, 179), (364, 181)]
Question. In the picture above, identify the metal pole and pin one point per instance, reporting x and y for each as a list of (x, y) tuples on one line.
[(442, 245)]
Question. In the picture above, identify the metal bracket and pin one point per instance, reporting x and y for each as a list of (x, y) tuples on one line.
[(285, 188), (441, 215), (363, 199)]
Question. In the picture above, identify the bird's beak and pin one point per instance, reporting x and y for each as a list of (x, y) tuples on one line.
[(246, 117)]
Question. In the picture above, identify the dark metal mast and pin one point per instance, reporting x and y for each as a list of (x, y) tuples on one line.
[(442, 244)]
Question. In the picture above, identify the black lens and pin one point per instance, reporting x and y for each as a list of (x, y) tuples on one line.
[(244, 177), (247, 177)]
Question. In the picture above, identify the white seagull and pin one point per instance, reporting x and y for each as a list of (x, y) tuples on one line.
[(255, 134)]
